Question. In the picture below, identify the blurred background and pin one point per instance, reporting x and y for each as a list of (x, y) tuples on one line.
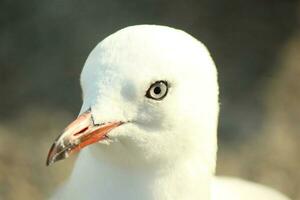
[(255, 44)]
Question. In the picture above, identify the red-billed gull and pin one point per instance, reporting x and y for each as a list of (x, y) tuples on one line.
[(150, 103)]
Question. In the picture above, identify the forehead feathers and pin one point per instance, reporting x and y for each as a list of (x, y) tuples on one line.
[(139, 55)]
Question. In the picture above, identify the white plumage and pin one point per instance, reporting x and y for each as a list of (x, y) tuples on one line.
[(165, 148)]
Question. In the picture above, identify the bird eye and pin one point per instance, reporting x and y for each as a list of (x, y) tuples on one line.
[(157, 90)]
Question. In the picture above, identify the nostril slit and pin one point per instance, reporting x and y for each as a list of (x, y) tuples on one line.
[(83, 130)]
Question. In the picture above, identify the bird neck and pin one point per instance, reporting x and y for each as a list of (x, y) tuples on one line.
[(188, 180), (96, 179)]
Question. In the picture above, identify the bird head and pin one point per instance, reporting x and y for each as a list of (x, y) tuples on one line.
[(150, 94)]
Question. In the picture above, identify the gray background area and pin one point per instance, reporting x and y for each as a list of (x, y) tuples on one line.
[(44, 44)]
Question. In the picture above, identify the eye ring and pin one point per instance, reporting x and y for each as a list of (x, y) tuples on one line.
[(158, 90)]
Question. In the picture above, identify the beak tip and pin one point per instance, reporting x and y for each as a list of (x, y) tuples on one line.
[(56, 153), (52, 155), (49, 160), (48, 163)]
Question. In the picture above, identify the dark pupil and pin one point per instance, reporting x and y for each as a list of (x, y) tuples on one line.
[(157, 90)]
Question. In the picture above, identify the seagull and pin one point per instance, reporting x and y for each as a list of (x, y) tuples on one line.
[(149, 122)]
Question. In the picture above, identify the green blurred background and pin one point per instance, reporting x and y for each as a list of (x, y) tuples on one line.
[(255, 44)]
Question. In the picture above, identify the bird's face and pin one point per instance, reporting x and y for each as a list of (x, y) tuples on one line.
[(149, 95)]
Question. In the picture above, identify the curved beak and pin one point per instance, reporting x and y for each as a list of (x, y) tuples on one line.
[(79, 134)]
